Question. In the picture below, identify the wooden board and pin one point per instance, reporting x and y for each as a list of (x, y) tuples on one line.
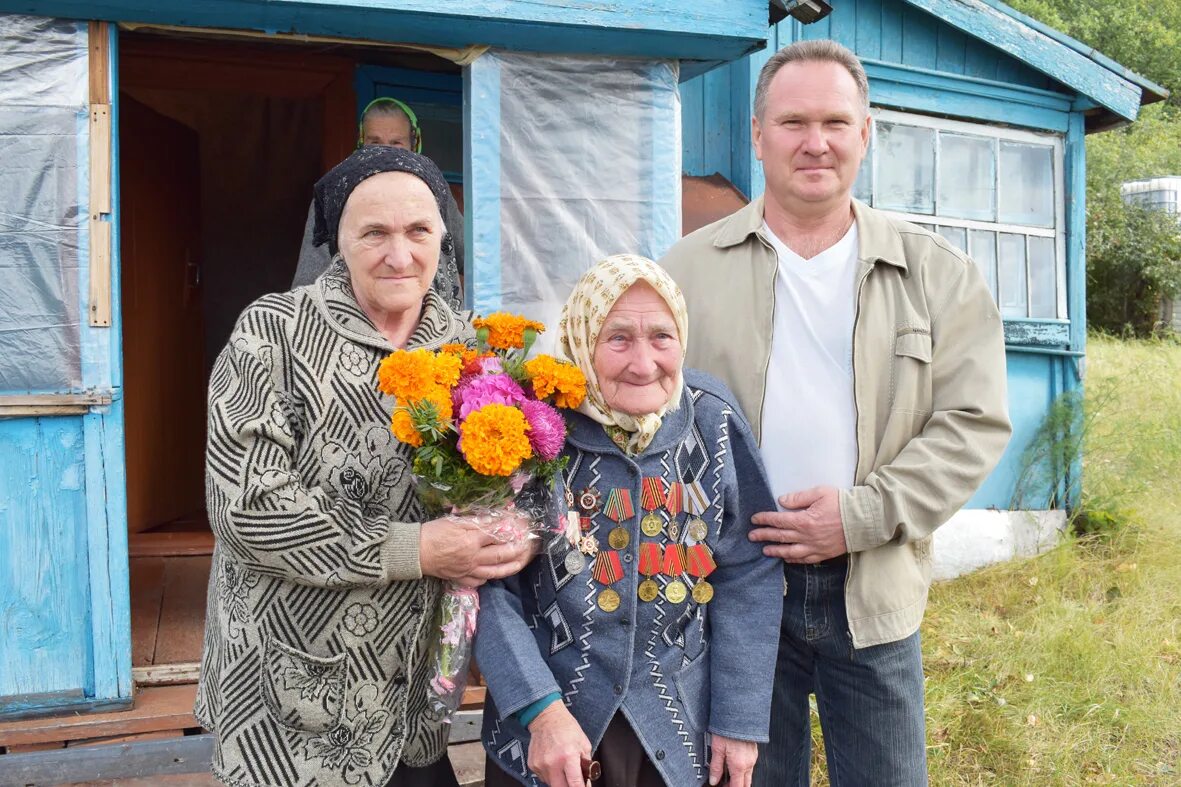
[(182, 610), (163, 708), (170, 544), (147, 590)]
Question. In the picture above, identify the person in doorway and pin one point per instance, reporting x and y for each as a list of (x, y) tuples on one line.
[(325, 577), (873, 371), (388, 121), (645, 636)]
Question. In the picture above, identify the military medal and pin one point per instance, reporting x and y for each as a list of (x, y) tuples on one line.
[(648, 590), (674, 530), (575, 562), (700, 563), (650, 563), (588, 546), (675, 591), (607, 569), (573, 526), (674, 501), (569, 497), (651, 525), (696, 501), (674, 560), (698, 530), (619, 505), (619, 538), (589, 501), (652, 494), (608, 600)]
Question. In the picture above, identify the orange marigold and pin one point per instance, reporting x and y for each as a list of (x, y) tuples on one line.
[(565, 382), (402, 425), (495, 440), (408, 375), (506, 331)]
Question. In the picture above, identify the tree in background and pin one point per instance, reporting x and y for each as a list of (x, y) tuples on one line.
[(1132, 259)]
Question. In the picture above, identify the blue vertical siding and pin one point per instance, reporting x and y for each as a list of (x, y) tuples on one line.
[(44, 604)]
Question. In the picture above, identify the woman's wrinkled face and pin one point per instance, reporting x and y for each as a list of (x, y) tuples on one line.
[(638, 353), (390, 234)]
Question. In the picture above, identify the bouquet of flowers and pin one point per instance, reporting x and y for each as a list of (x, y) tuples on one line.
[(488, 439)]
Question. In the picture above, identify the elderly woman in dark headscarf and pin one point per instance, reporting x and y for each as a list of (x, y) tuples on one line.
[(325, 577)]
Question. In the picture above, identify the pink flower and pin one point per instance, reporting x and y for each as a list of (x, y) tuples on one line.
[(547, 432), (486, 389), (491, 365)]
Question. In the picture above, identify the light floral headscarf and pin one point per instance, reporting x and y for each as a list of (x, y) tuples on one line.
[(578, 332)]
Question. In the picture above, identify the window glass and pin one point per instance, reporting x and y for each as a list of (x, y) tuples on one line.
[(956, 236), (1027, 184), (1014, 299), (1043, 294), (967, 177), (905, 168), (982, 248)]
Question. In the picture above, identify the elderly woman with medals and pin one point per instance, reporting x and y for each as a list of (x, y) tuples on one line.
[(641, 642), (325, 576)]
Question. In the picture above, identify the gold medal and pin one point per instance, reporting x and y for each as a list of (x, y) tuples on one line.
[(675, 591), (608, 600), (619, 538), (703, 592), (698, 529), (674, 530), (648, 590), (651, 525)]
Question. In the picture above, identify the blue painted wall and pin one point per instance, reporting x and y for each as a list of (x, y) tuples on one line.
[(918, 63)]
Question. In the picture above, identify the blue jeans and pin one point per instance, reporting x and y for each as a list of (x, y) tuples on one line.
[(870, 699)]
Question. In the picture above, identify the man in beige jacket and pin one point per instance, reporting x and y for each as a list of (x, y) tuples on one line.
[(869, 357)]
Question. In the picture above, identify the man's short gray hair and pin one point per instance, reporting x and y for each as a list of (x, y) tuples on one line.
[(817, 51)]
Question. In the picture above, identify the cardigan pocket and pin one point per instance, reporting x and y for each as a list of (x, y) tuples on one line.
[(303, 692), (692, 683)]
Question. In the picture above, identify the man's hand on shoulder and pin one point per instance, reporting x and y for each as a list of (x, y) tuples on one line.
[(809, 531)]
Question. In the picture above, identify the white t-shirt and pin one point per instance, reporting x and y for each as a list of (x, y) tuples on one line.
[(809, 434)]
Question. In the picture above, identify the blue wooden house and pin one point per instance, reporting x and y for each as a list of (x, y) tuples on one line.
[(156, 160)]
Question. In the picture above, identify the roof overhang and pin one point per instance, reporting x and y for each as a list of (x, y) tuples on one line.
[(710, 31), (1110, 95)]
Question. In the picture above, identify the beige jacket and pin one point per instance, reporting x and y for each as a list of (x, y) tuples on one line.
[(928, 387)]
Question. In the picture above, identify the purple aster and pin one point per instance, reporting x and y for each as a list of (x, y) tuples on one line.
[(486, 389), (547, 429)]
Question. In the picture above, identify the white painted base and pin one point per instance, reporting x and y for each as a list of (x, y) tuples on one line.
[(977, 538)]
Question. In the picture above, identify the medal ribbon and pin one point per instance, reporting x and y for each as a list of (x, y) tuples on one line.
[(607, 568), (674, 560), (650, 562), (696, 501), (675, 502), (700, 562), (619, 505), (652, 493)]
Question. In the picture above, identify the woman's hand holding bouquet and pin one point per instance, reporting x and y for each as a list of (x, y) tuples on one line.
[(488, 439)]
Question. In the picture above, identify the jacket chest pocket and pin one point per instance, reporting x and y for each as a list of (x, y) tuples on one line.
[(910, 372)]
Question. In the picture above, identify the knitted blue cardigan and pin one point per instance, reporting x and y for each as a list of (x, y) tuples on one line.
[(677, 671)]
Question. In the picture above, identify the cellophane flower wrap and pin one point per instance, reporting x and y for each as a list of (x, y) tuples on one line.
[(487, 434)]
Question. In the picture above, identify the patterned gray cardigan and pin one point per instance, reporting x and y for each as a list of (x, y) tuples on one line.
[(319, 622)]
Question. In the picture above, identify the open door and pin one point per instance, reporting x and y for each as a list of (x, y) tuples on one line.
[(163, 337)]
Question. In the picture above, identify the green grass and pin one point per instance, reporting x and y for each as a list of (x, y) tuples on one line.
[(1066, 669)]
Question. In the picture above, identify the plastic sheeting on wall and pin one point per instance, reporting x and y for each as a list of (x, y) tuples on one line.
[(43, 189), (589, 165)]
